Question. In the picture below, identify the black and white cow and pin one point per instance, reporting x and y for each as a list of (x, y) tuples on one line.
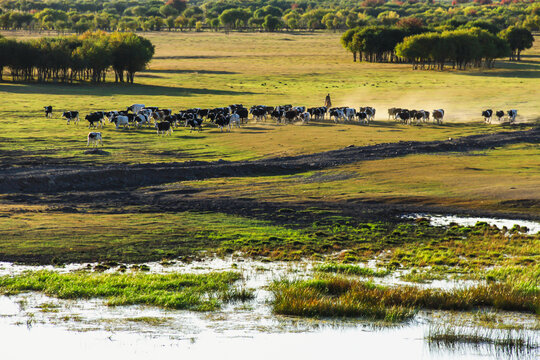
[(362, 117), (305, 116), (370, 112), (438, 116), (164, 128), (500, 115), (95, 119), (142, 119), (291, 115), (71, 116), (258, 112), (194, 124), (95, 139), (487, 114), (223, 121), (512, 115), (337, 114), (403, 116), (392, 112), (277, 114), (48, 111)]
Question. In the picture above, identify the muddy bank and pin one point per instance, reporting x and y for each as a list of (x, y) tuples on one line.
[(54, 178)]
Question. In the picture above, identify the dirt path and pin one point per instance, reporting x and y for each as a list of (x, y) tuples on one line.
[(54, 178)]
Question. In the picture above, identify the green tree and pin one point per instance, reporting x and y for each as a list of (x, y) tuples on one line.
[(519, 39)]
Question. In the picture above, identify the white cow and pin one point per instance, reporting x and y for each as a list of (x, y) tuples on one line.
[(136, 108), (305, 117), (349, 113), (95, 139), (234, 120), (121, 120)]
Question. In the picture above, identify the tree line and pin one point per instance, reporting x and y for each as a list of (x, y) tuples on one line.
[(87, 57), (259, 15), (466, 47)]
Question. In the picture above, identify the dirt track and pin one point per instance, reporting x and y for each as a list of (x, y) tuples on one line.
[(57, 179)]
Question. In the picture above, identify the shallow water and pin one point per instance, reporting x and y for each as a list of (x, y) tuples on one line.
[(443, 220), (91, 330)]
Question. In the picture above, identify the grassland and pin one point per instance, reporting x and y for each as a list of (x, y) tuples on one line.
[(213, 69)]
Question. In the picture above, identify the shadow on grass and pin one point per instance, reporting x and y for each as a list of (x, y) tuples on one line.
[(112, 89), (526, 69), (190, 71)]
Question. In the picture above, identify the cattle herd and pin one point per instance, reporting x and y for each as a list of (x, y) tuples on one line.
[(164, 120)]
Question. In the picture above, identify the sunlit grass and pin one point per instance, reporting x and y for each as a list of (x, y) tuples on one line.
[(176, 291)]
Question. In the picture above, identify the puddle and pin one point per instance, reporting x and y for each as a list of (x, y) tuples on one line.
[(90, 329), (444, 220)]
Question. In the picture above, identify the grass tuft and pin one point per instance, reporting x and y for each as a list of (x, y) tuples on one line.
[(349, 269), (176, 291)]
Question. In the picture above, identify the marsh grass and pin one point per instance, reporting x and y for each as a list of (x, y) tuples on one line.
[(349, 269), (512, 343), (175, 291), (339, 296)]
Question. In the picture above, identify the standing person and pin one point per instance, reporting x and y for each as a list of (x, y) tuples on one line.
[(328, 102)]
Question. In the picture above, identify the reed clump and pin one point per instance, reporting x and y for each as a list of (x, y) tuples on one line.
[(340, 296)]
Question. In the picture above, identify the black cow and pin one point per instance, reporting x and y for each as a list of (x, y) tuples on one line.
[(500, 115), (403, 116), (487, 114), (164, 128), (48, 111), (243, 113), (362, 117), (194, 124), (95, 119), (71, 115), (291, 115), (223, 121)]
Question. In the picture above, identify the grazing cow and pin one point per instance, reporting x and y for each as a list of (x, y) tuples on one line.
[(277, 114), (120, 120), (223, 121), (425, 115), (95, 119), (305, 117), (362, 117), (500, 115), (71, 115), (291, 115), (337, 113), (258, 112), (234, 119), (164, 128), (142, 119), (392, 112), (370, 112), (487, 114), (512, 115), (438, 116), (95, 139), (243, 114), (135, 108), (349, 113), (48, 111), (194, 124), (403, 116)]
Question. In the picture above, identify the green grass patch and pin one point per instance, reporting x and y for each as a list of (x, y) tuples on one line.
[(350, 269), (174, 291)]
